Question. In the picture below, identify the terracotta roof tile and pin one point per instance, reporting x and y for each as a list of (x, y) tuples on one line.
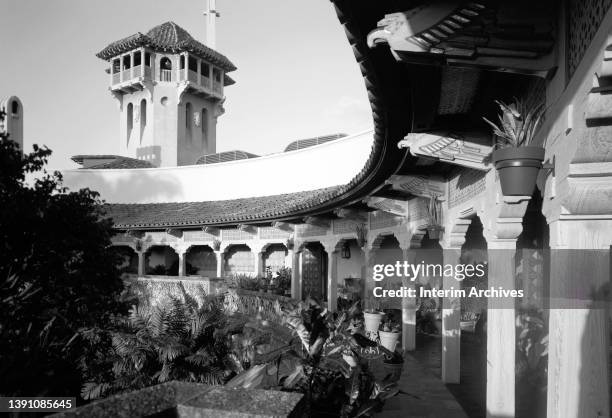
[(168, 37), (155, 215), (114, 161)]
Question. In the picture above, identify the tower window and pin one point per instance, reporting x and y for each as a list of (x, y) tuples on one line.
[(205, 69), (217, 75), (143, 117), (130, 120), (193, 64), (188, 121), (137, 58), (116, 67), (127, 62), (148, 61), (165, 66), (182, 62), (205, 129), (14, 108)]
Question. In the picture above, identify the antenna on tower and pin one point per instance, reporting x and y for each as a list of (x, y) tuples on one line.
[(211, 14)]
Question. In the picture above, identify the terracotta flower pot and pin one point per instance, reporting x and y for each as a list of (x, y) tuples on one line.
[(389, 339), (518, 169)]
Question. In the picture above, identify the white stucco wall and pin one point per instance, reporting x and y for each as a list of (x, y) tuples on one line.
[(330, 164)]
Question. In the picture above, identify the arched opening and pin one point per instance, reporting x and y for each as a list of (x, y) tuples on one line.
[(351, 260), (129, 121), (143, 117), (314, 271), (387, 253), (127, 259), (201, 261), (274, 258), (14, 108), (188, 121), (165, 69), (239, 260), (161, 260)]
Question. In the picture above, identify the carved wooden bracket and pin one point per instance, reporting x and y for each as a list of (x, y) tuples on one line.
[(450, 148), (285, 226), (351, 214), (424, 186), (247, 228), (459, 32), (317, 221), (174, 232), (211, 230)]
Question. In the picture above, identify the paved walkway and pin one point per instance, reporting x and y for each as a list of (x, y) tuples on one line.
[(434, 399)]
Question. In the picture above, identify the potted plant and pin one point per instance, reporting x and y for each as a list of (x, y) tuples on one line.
[(216, 244), (434, 214), (393, 365), (389, 334), (516, 160), (372, 318)]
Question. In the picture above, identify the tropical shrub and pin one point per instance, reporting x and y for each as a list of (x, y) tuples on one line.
[(156, 344), (57, 275)]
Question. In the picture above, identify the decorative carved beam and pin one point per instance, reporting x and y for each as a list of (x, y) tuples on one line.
[(457, 32), (451, 148), (317, 221), (351, 214), (423, 186)]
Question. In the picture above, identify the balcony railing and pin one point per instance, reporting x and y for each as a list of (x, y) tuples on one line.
[(192, 76), (165, 75), (129, 74)]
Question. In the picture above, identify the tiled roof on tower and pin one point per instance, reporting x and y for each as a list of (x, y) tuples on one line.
[(167, 37)]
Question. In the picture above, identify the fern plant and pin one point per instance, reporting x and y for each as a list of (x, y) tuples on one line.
[(156, 344), (518, 123)]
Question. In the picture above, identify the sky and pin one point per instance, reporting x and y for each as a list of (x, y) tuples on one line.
[(296, 78)]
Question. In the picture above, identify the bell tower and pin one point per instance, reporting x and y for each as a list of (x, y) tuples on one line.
[(170, 89)]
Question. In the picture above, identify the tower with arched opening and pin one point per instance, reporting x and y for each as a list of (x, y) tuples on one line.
[(170, 89)]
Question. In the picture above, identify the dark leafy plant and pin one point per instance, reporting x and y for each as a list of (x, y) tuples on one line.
[(325, 362), (57, 275)]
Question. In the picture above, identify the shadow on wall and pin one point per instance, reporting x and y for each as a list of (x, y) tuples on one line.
[(139, 186)]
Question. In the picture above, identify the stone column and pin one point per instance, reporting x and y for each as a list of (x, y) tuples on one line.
[(141, 263), (451, 306), (501, 330), (366, 277), (182, 265), (408, 308), (259, 263), (219, 257), (578, 357), (332, 279), (295, 275)]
